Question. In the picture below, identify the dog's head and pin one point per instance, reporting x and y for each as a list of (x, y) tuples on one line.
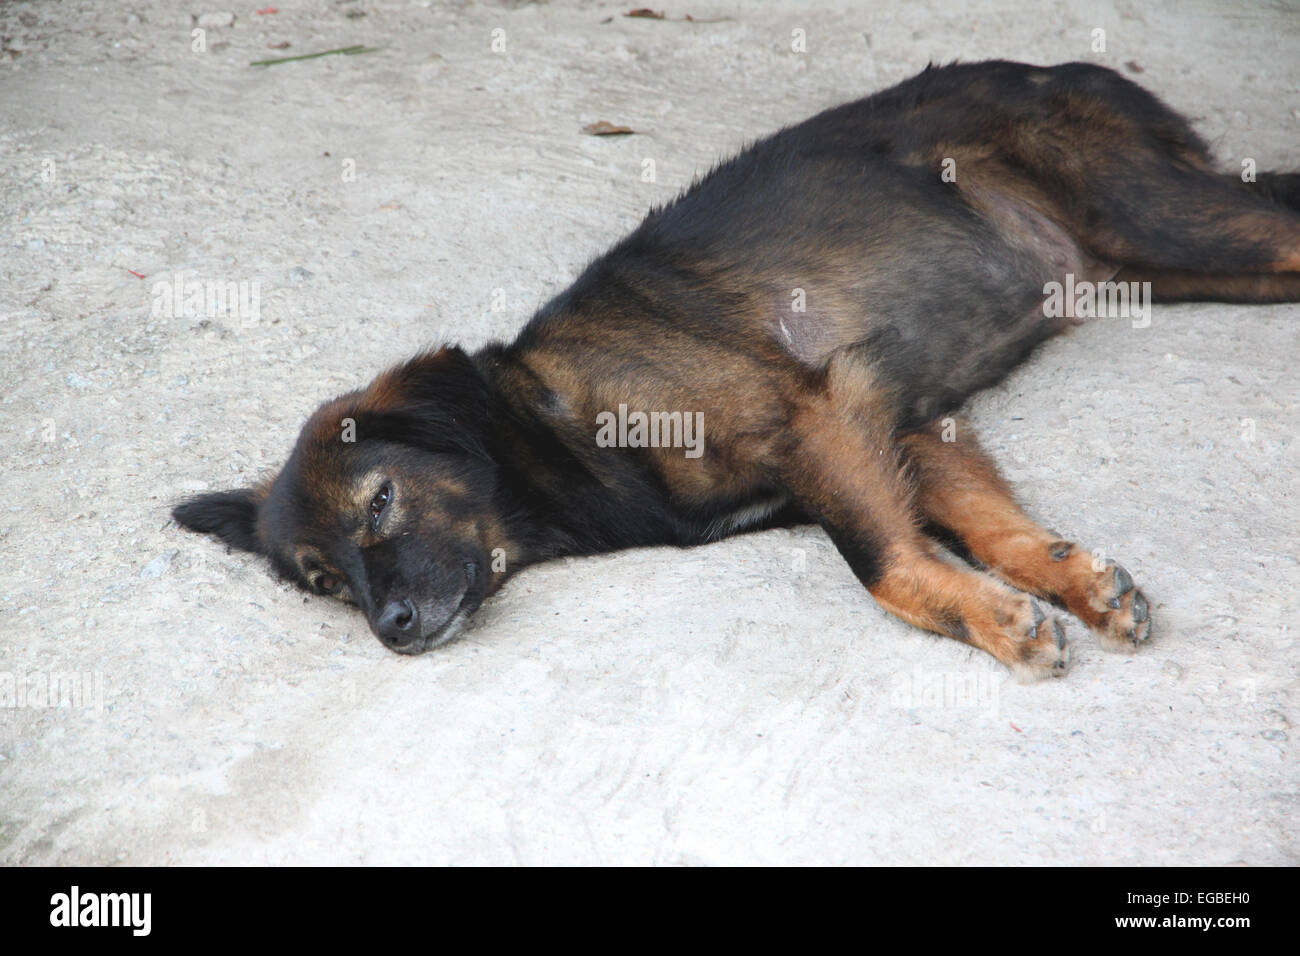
[(387, 502)]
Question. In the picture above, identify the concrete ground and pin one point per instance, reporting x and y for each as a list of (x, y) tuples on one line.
[(741, 703)]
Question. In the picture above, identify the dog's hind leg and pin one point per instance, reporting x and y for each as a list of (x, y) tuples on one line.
[(1174, 286), (843, 468), (1283, 189), (959, 489), (1176, 224), (1272, 195)]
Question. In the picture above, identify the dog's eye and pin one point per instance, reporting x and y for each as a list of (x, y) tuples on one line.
[(378, 504), (327, 583)]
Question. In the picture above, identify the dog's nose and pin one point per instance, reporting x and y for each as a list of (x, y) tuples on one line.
[(399, 622)]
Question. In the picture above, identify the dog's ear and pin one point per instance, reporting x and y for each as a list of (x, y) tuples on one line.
[(230, 515), (438, 401)]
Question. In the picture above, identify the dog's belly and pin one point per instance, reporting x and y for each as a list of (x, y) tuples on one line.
[(747, 516), (955, 310)]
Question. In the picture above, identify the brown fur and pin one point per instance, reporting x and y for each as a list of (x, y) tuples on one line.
[(826, 301)]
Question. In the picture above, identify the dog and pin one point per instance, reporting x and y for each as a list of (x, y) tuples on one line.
[(788, 342)]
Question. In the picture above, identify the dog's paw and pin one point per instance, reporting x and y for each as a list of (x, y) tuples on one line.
[(1118, 613), (1028, 640), (1044, 652)]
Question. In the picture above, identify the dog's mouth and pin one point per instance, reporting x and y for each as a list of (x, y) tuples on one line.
[(451, 625)]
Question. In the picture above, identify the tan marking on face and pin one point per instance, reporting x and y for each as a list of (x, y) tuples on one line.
[(311, 563), (322, 447), (369, 485)]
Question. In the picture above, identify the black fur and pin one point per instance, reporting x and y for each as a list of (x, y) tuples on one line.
[(917, 289), (230, 515)]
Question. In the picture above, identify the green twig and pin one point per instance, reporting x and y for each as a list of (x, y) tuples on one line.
[(345, 50)]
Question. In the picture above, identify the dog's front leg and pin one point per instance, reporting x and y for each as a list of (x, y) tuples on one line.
[(843, 467), (958, 488)]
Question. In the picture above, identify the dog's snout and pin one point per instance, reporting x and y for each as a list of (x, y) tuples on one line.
[(399, 623)]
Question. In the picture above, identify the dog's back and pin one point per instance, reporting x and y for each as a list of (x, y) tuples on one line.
[(917, 228)]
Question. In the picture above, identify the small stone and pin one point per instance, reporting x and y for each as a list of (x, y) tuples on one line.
[(1277, 718), (1170, 669), (219, 19), (1273, 734), (159, 565), (113, 594), (298, 274)]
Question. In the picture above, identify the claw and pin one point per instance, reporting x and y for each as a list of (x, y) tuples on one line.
[(1140, 609), (1058, 634), (1123, 581)]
